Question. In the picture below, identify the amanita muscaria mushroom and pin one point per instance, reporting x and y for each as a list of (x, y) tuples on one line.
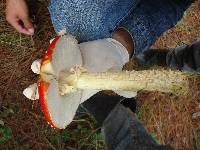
[(62, 81), (58, 110)]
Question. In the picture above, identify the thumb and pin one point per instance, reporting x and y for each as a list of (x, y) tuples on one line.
[(28, 25)]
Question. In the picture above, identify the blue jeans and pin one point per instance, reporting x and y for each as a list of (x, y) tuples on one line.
[(94, 19)]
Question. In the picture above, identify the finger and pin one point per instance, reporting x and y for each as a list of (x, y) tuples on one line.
[(28, 25), (16, 24)]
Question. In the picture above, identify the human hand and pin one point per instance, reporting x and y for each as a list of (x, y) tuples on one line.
[(17, 15)]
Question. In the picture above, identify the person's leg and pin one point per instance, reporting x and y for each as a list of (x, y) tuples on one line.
[(89, 19), (150, 19), (123, 131), (101, 104), (185, 57), (120, 127), (152, 57)]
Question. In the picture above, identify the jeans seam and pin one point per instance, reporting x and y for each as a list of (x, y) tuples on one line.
[(126, 15)]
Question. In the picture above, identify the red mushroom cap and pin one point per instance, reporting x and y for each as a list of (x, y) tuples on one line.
[(62, 54)]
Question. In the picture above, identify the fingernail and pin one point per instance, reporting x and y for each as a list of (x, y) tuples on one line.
[(31, 30)]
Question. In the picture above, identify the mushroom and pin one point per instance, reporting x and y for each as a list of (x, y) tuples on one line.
[(58, 110), (62, 81)]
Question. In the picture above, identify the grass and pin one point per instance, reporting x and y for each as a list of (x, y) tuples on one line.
[(5, 135), (70, 137), (166, 116), (169, 117)]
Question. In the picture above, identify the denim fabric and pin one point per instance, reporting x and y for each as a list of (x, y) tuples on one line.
[(151, 18), (89, 19), (95, 19)]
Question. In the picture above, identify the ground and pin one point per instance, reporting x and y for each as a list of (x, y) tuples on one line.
[(22, 126)]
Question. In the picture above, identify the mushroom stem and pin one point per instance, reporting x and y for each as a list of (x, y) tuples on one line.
[(152, 80)]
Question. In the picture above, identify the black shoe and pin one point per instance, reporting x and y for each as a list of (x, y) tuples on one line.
[(186, 57), (129, 103), (153, 57), (101, 104)]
